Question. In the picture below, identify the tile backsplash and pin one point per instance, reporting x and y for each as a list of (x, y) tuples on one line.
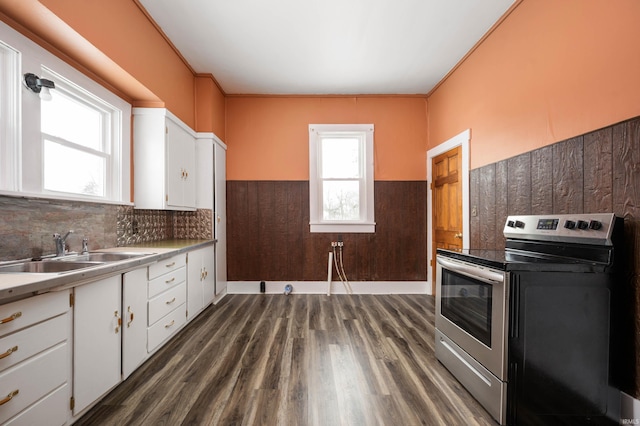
[(27, 225)]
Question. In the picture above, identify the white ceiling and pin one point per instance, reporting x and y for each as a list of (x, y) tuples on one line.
[(325, 46)]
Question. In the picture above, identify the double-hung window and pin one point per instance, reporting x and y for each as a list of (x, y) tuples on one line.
[(77, 132), (341, 178), (73, 146)]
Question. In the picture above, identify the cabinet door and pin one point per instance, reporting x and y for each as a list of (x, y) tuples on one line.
[(194, 283), (189, 185), (209, 279), (220, 218), (134, 320), (181, 166), (175, 169), (96, 344)]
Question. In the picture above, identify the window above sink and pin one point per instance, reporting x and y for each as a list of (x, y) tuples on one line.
[(73, 147)]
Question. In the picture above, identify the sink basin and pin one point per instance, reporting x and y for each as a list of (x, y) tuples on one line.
[(46, 267), (101, 257)]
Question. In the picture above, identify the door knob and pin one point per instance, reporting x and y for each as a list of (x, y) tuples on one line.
[(458, 235)]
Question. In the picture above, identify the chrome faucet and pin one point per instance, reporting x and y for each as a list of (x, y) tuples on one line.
[(61, 242), (85, 245)]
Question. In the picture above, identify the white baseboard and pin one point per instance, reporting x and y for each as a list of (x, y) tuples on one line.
[(320, 287), (629, 410)]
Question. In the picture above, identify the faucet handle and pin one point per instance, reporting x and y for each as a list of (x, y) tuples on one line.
[(85, 245)]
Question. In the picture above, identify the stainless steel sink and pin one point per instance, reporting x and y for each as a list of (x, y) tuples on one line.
[(46, 266), (100, 257)]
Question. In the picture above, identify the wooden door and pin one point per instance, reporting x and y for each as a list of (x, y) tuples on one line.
[(446, 190)]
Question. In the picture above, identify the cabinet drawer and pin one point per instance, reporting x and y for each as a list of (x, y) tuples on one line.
[(167, 265), (166, 281), (50, 410), (23, 313), (19, 346), (33, 379), (166, 302), (166, 327)]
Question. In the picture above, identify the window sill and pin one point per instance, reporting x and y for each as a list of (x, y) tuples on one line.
[(359, 227)]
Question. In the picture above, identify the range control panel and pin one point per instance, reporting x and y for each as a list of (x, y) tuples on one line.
[(593, 228)]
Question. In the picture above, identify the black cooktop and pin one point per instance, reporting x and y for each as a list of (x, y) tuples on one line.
[(515, 260)]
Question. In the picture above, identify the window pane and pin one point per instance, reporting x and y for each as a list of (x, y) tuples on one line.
[(71, 120), (340, 157), (341, 200), (69, 170)]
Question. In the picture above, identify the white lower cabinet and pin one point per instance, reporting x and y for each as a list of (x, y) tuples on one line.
[(97, 343), (134, 320), (56, 361), (167, 304), (201, 286), (35, 354)]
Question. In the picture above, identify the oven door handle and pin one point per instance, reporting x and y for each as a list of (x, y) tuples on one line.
[(480, 274)]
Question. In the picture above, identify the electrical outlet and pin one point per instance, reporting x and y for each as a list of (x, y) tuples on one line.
[(474, 211)]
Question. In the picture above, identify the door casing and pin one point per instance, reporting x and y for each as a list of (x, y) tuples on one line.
[(462, 139)]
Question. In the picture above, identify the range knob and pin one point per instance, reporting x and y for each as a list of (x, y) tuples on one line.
[(582, 224), (511, 224), (519, 224), (595, 225), (569, 224)]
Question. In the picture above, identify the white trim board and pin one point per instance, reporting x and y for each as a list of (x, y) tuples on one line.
[(629, 410), (337, 287), (462, 140)]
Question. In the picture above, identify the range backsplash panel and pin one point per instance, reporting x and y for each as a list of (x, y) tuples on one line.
[(598, 172)]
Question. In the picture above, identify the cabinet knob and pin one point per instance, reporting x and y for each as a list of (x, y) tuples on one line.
[(11, 318), (9, 397), (459, 236), (130, 316), (118, 321), (9, 352)]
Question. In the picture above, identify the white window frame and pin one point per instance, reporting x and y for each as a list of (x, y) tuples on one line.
[(23, 148), (111, 138), (366, 223), (9, 116)]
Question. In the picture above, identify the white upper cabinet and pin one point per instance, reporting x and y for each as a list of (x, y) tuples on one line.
[(164, 161)]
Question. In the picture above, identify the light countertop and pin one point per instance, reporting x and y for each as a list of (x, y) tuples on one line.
[(18, 285)]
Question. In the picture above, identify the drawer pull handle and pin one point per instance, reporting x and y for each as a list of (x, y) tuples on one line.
[(170, 301), (169, 265), (170, 324), (170, 281), (119, 322), (11, 318), (130, 316), (9, 352), (9, 397)]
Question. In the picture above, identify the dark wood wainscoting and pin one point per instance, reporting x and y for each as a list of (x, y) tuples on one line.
[(269, 239), (592, 173)]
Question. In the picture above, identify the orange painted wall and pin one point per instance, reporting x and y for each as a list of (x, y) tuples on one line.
[(122, 31), (210, 106), (552, 70), (116, 44), (268, 137)]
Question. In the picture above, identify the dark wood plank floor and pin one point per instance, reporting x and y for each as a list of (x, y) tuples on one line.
[(297, 360)]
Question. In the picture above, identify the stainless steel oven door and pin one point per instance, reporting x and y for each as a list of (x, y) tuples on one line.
[(471, 310)]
